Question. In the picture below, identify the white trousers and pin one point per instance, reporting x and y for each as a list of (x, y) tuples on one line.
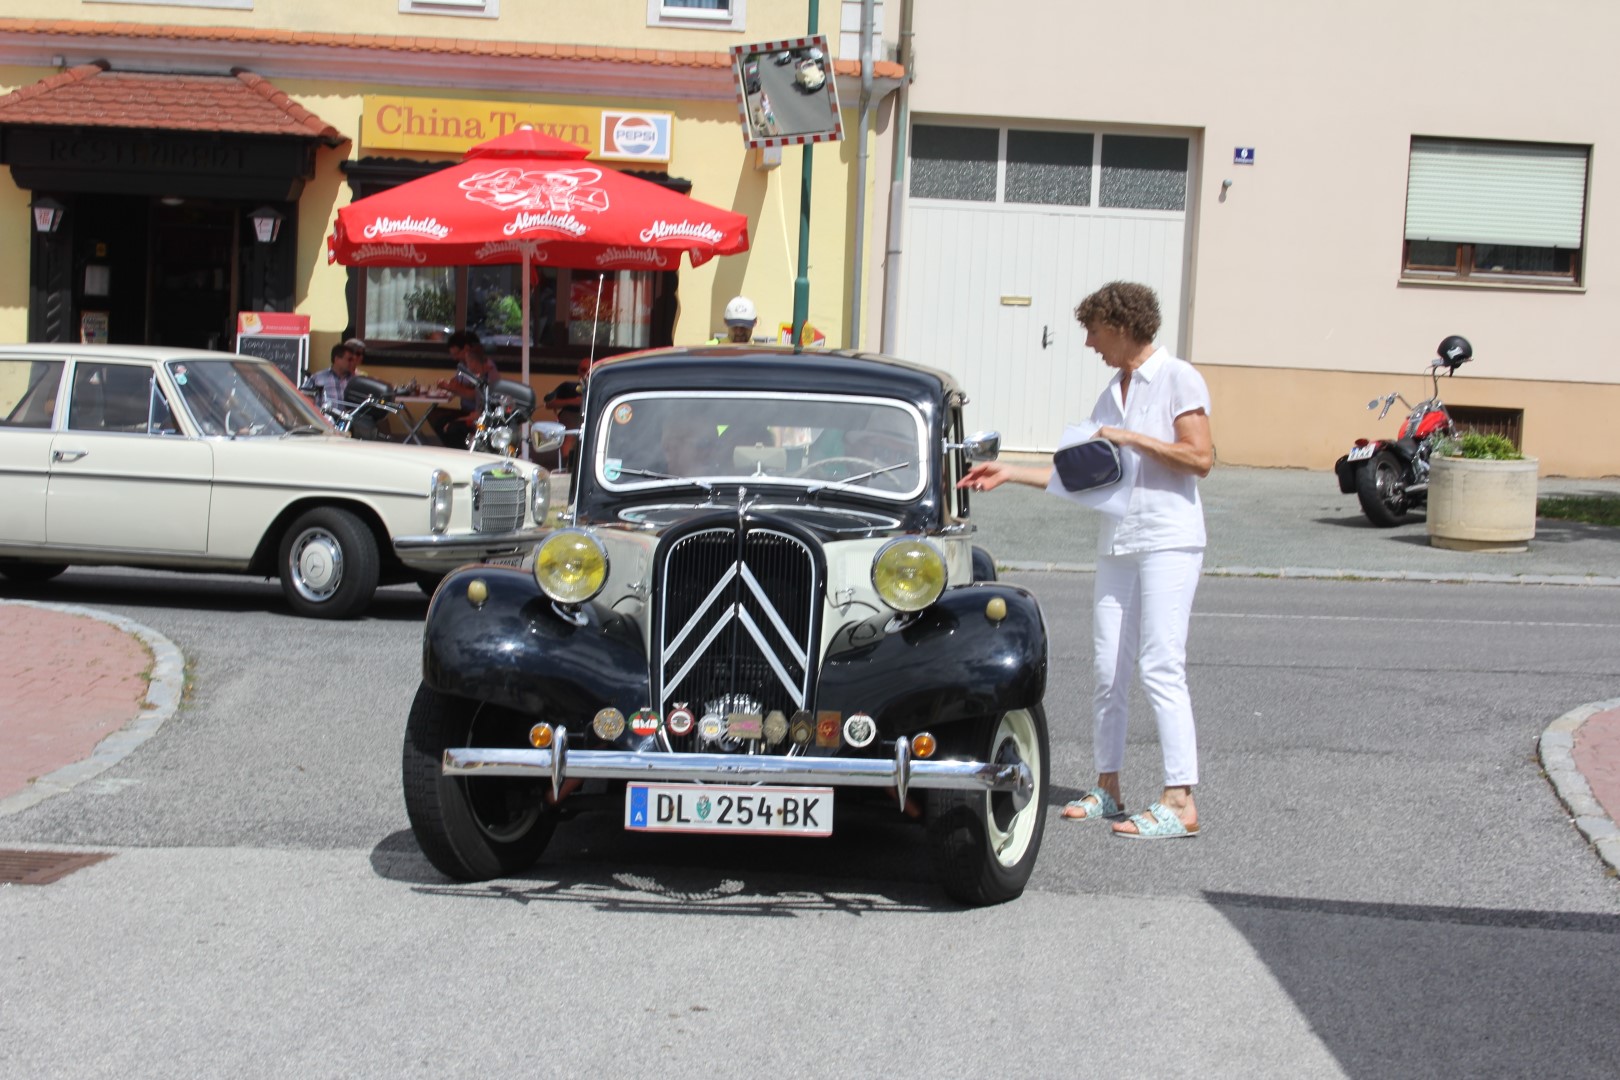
[(1139, 618)]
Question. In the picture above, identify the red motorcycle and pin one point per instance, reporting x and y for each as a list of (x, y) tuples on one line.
[(1391, 476)]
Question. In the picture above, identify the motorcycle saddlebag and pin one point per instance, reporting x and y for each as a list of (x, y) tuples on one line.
[(361, 387)]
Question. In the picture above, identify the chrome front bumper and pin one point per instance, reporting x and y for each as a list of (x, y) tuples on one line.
[(899, 772), (450, 550)]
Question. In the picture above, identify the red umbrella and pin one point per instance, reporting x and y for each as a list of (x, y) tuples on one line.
[(529, 198)]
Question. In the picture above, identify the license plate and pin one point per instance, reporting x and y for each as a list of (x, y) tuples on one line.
[(1361, 453), (727, 808)]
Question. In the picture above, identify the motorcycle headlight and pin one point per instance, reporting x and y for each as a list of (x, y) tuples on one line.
[(570, 566), (441, 498), (908, 574), (500, 439), (540, 495)]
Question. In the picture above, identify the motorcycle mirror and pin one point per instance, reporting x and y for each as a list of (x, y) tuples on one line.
[(1374, 403), (547, 435)]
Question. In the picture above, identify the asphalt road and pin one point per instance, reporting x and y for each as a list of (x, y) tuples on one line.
[(1385, 885)]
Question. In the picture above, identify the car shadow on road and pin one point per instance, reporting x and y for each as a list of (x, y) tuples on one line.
[(869, 871), (1406, 989), (98, 588)]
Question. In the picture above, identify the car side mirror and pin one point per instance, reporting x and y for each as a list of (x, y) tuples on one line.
[(547, 435), (980, 446)]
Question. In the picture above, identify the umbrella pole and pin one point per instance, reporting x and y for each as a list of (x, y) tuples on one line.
[(525, 346)]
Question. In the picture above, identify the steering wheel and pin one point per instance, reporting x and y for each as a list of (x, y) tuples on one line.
[(841, 468)]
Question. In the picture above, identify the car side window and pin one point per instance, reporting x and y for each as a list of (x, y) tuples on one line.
[(28, 392), (117, 397)]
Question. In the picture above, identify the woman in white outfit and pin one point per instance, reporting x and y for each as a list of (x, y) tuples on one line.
[(1148, 561)]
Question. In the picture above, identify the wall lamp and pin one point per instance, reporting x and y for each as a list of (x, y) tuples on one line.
[(266, 223), (47, 214)]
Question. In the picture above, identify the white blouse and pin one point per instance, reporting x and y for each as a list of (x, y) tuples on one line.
[(1165, 511)]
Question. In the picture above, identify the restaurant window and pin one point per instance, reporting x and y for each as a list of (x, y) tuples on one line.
[(428, 303), (696, 14), (1495, 211)]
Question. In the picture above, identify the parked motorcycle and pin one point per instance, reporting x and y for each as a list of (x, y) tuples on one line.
[(507, 406), (366, 403), (1391, 476)]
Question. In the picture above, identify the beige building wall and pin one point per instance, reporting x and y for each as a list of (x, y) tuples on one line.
[(1294, 291)]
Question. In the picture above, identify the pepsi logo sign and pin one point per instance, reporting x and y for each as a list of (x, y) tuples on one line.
[(636, 135)]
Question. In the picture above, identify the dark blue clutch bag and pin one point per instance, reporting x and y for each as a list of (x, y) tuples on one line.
[(1088, 465)]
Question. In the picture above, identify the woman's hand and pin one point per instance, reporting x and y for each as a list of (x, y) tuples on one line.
[(989, 475)]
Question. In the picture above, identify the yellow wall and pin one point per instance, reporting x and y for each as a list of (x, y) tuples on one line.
[(622, 23)]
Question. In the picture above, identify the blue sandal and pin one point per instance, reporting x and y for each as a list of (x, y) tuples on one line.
[(1159, 823), (1093, 805)]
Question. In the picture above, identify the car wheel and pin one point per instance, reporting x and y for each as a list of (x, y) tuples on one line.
[(1382, 491), (471, 829), (329, 564), (25, 573), (984, 843)]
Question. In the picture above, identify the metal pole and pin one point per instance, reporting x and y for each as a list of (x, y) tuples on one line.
[(801, 284)]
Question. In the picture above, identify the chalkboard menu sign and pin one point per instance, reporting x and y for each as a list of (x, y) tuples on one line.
[(281, 338)]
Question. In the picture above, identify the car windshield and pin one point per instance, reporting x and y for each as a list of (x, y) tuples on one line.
[(241, 397), (873, 445)]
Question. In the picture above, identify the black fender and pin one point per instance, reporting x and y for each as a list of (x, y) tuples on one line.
[(518, 650), (951, 662), (1346, 471), (984, 565)]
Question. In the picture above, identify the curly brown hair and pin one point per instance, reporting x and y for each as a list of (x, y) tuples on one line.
[(1125, 306)]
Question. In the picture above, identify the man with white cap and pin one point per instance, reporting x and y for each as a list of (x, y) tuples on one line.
[(740, 320)]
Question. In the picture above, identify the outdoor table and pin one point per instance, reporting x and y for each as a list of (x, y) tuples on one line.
[(415, 416)]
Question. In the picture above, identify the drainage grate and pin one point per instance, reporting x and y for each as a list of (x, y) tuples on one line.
[(44, 867)]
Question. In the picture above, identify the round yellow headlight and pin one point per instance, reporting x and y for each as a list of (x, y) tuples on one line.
[(570, 566), (909, 574)]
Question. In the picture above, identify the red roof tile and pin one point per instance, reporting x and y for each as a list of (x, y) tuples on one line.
[(91, 96)]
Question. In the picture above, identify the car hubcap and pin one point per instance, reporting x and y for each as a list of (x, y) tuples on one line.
[(505, 809), (316, 563), (1011, 820)]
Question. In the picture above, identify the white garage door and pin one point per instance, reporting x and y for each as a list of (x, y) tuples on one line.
[(1007, 230)]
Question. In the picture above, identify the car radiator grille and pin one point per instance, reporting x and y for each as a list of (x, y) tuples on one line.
[(498, 500), (737, 629)]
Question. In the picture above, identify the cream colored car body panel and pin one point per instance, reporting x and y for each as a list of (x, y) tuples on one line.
[(142, 492)]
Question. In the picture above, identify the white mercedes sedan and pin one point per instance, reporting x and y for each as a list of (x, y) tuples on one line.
[(204, 461)]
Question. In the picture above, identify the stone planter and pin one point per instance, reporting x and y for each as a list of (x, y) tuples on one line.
[(1481, 505)]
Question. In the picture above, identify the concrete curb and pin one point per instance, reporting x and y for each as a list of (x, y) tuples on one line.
[(162, 701), (1323, 573), (1556, 746)]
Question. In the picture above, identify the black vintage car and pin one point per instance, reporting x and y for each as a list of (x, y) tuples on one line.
[(764, 598)]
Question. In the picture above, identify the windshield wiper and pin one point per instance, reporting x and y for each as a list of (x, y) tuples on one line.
[(303, 429), (861, 476), (625, 470)]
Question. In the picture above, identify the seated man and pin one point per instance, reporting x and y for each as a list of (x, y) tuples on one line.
[(456, 425)]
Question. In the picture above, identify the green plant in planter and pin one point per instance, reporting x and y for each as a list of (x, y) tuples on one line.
[(1479, 447)]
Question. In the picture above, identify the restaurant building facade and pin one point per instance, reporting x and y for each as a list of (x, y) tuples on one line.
[(176, 164)]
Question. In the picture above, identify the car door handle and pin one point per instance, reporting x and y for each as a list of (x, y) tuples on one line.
[(68, 455)]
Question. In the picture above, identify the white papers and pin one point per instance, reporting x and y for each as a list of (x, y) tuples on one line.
[(1113, 500)]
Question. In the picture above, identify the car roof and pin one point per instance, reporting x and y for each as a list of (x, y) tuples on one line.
[(767, 367), (118, 352)]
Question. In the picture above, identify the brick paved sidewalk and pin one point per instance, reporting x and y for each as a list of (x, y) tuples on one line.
[(1597, 756), (66, 682)]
